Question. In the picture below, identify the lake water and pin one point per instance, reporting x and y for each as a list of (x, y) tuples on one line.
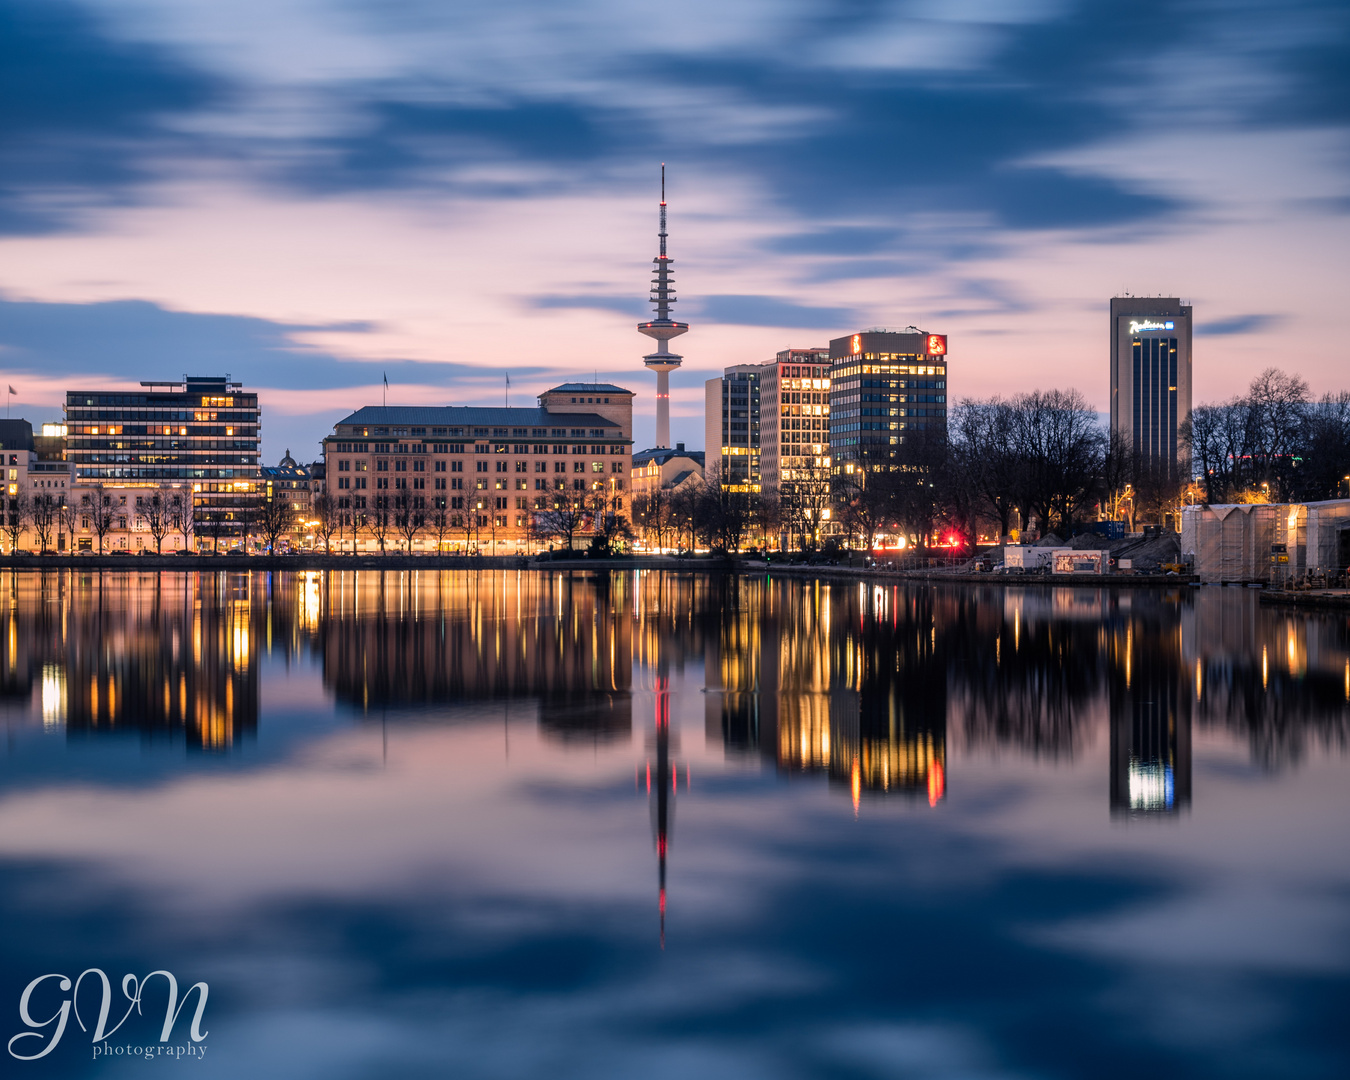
[(653, 825)]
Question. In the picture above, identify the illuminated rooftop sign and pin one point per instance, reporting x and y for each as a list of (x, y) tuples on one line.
[(1138, 326), (856, 344), (936, 345)]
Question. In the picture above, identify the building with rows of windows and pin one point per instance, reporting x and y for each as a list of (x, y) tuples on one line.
[(494, 473), (794, 418), (194, 442), (883, 385)]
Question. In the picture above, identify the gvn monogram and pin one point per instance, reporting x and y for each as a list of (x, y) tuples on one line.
[(59, 990)]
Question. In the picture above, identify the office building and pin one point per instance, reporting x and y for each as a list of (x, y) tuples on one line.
[(492, 470), (883, 385), (794, 424), (731, 427), (200, 437), (1151, 378)]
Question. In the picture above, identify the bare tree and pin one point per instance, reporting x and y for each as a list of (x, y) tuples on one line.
[(685, 503), (408, 518), (608, 524), (804, 497), (45, 516), (276, 518), (68, 515), (379, 522), (18, 515), (985, 456), (158, 514), (101, 512), (651, 515), (563, 520), (327, 517), (440, 521), (183, 515)]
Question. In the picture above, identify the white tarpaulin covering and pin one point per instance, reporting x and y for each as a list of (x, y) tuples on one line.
[(1233, 542)]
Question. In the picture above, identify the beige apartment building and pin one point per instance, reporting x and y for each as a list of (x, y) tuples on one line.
[(496, 473)]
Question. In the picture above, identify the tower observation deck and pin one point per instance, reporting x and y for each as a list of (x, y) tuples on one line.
[(663, 328)]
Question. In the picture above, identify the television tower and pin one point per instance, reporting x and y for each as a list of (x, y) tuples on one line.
[(663, 328)]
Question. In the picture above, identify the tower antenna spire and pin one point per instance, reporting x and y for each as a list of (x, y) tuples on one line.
[(663, 327)]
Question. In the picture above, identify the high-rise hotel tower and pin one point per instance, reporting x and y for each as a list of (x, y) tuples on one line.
[(663, 328), (1151, 377)]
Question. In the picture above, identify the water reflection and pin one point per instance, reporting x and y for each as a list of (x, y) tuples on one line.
[(1019, 763), (159, 655), (562, 643), (861, 685)]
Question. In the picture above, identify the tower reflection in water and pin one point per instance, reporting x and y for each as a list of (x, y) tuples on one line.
[(163, 656), (1150, 721)]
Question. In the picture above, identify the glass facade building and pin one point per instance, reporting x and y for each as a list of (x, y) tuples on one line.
[(882, 384), (1151, 378), (202, 433), (732, 424)]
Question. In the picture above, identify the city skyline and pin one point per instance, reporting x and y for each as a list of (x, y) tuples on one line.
[(199, 199)]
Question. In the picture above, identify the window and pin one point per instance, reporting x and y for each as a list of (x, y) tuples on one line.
[(501, 502), (541, 466), (522, 485), (440, 484), (440, 466), (420, 466), (344, 466), (522, 466), (541, 485), (382, 465), (616, 466), (361, 483), (501, 466), (578, 466), (401, 465), (456, 484), (522, 503), (419, 483), (360, 466), (381, 482), (401, 483), (480, 466), (456, 466)]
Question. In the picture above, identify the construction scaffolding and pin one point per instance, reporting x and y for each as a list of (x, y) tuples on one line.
[(1267, 542)]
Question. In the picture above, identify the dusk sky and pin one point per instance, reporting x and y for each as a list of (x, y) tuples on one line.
[(309, 194)]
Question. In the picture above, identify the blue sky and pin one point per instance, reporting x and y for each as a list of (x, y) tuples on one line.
[(310, 194)]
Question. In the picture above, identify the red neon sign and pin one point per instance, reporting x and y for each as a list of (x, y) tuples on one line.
[(937, 345)]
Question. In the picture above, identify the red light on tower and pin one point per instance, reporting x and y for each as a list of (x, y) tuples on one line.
[(937, 345)]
